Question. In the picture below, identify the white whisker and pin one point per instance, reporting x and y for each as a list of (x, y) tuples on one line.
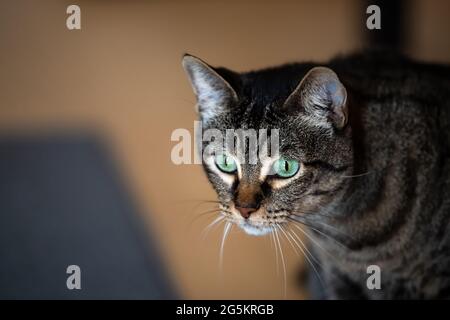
[(272, 234), (357, 175), (283, 262), (315, 242), (306, 248), (208, 227), (226, 231), (305, 252), (323, 233)]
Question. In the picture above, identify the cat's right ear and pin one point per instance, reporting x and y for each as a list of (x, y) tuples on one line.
[(321, 96), (214, 93)]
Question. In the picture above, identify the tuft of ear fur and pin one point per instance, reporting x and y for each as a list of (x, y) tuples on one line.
[(322, 96), (214, 93)]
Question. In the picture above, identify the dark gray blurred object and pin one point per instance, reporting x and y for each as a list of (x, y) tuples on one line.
[(61, 204)]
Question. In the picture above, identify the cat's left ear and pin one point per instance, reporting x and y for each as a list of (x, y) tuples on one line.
[(214, 94), (321, 95)]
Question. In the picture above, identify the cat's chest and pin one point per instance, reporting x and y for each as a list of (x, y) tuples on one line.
[(414, 276)]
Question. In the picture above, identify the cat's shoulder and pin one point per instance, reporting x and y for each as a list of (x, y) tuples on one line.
[(382, 61)]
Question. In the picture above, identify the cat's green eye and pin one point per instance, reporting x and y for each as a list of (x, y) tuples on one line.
[(226, 163), (286, 168)]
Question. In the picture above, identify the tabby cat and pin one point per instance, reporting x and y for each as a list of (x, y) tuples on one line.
[(363, 166)]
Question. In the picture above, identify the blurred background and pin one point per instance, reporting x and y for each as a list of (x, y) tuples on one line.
[(118, 87)]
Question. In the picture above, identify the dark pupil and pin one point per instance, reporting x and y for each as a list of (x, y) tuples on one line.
[(286, 166), (225, 161)]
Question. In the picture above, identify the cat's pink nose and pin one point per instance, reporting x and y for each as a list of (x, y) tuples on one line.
[(246, 212)]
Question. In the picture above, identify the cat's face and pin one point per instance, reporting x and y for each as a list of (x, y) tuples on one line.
[(305, 176)]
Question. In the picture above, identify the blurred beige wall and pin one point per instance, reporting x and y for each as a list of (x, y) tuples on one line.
[(428, 27), (121, 74)]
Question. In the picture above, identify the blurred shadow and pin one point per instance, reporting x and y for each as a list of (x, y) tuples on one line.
[(62, 203)]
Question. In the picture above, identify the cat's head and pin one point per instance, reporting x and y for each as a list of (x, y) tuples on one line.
[(306, 175)]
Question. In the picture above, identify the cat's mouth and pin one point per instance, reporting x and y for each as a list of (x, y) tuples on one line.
[(254, 229), (259, 223)]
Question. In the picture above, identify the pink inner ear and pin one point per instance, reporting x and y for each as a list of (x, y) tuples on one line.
[(322, 86), (337, 94)]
